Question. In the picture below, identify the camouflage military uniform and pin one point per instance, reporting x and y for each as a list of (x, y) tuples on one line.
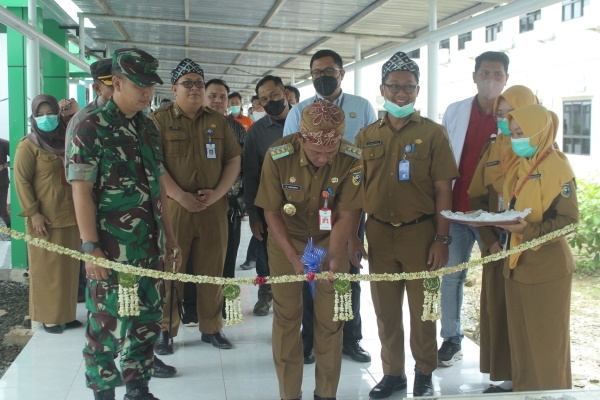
[(123, 157)]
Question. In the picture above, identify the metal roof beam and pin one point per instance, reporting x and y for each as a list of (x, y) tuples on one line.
[(199, 48), (217, 74), (248, 28), (262, 67), (111, 17), (361, 15)]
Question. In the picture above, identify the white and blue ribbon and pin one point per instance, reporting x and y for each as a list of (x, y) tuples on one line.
[(312, 258)]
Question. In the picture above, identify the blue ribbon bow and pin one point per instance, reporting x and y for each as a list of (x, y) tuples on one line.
[(312, 258)]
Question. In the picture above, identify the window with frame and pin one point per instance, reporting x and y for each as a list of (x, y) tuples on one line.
[(572, 9), (577, 122), (445, 44), (526, 21), (414, 54), (463, 39), (491, 32)]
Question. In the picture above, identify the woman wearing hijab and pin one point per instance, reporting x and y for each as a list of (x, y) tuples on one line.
[(538, 281), (485, 193), (47, 203)]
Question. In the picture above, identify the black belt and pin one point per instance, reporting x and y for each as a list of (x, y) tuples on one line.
[(422, 218)]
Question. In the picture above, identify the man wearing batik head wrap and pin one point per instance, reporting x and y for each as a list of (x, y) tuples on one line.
[(202, 161), (408, 171), (299, 174)]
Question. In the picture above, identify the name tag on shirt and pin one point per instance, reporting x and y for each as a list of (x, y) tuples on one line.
[(291, 187), (536, 176), (404, 170), (371, 144), (492, 163), (211, 150)]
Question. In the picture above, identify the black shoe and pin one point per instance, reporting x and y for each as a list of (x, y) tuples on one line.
[(317, 397), (356, 352), (218, 340), (248, 265), (108, 394), (54, 329), (162, 346), (189, 319), (162, 370), (309, 356), (496, 389), (388, 385), (73, 324), (138, 390), (449, 353), (423, 385)]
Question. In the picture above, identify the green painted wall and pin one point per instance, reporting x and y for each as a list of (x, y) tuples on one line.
[(56, 70)]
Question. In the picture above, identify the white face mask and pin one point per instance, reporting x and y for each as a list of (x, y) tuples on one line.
[(490, 89), (258, 115)]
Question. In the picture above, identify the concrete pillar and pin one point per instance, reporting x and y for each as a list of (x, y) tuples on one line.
[(432, 66), (33, 57), (81, 37), (357, 71), (293, 78)]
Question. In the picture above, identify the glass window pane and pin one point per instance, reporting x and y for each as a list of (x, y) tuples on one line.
[(577, 9), (576, 146), (566, 145), (585, 147)]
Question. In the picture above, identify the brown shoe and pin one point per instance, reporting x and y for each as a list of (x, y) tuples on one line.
[(265, 301), (81, 299)]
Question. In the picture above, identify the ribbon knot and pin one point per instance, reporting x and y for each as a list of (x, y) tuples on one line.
[(312, 258)]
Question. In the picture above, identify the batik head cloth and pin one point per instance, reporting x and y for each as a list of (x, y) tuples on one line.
[(186, 66), (322, 123), (400, 62)]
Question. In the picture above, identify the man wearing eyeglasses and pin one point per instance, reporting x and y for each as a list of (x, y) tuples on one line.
[(327, 71), (202, 161), (407, 181)]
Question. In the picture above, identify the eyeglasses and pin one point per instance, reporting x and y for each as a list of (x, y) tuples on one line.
[(408, 89), (317, 73), (190, 84)]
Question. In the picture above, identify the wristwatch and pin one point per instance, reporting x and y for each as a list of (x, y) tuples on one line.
[(447, 240), (87, 247)]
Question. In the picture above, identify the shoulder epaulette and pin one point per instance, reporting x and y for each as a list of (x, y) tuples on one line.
[(282, 151), (350, 150)]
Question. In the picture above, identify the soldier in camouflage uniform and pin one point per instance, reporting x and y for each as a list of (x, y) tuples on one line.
[(116, 159)]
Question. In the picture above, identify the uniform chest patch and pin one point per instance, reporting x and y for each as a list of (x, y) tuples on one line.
[(356, 177), (374, 143), (492, 163), (291, 187), (566, 190), (118, 141)]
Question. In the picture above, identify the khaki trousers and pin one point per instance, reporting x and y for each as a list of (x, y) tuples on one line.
[(394, 250), (54, 277), (204, 236), (494, 348), (538, 329), (288, 353)]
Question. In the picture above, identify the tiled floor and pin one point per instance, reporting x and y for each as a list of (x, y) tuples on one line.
[(51, 366)]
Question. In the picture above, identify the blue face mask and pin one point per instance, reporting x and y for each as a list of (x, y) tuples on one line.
[(47, 123), (522, 147), (503, 126), (235, 109), (397, 111)]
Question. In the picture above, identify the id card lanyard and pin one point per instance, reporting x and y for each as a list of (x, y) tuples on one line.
[(211, 147), (404, 164), (325, 214)]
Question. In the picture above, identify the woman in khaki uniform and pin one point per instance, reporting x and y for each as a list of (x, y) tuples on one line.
[(538, 281), (47, 203), (485, 193)]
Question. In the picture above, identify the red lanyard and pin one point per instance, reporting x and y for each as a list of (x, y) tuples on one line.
[(537, 164)]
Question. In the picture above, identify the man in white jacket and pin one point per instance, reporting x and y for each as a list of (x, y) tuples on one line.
[(469, 124)]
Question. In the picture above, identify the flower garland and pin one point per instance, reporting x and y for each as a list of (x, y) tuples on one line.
[(233, 305), (431, 305), (342, 310)]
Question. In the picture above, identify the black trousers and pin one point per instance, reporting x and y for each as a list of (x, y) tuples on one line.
[(233, 243), (352, 328)]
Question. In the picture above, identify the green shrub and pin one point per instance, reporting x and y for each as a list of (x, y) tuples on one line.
[(587, 237)]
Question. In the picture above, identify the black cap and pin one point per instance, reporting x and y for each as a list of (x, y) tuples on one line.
[(101, 70)]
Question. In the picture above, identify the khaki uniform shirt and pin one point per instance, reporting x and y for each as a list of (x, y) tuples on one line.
[(184, 143), (389, 199), (292, 179), (41, 185)]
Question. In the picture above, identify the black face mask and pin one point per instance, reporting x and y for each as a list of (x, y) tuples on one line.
[(325, 85), (275, 107)]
